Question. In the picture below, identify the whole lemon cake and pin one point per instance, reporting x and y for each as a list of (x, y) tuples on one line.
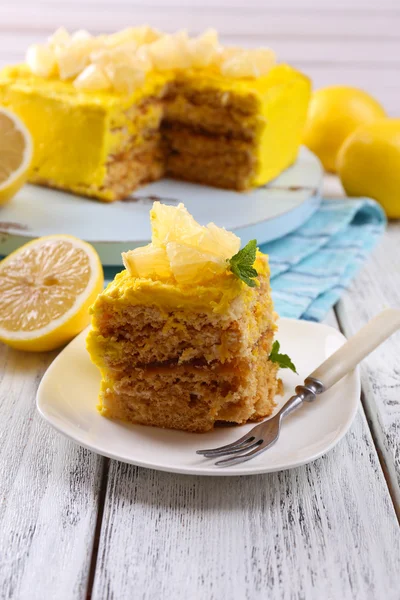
[(111, 112), (184, 336)]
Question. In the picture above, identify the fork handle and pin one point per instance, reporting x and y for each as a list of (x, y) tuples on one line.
[(357, 348)]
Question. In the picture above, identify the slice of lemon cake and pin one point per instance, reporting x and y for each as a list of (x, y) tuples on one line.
[(111, 112), (183, 336)]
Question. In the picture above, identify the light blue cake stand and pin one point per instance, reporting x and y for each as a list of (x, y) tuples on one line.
[(265, 213)]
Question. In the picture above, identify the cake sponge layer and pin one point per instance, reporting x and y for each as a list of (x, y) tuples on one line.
[(269, 114), (233, 172), (194, 397)]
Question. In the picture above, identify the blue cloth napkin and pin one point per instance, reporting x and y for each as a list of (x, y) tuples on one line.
[(311, 267)]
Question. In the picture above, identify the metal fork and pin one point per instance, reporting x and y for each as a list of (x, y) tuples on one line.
[(344, 360)]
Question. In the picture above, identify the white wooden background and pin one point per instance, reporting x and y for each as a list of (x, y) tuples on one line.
[(355, 42)]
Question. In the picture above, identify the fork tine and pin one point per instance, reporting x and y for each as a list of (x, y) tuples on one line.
[(216, 454), (235, 460), (236, 444)]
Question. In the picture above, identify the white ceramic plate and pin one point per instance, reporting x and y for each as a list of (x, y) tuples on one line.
[(264, 214), (67, 398)]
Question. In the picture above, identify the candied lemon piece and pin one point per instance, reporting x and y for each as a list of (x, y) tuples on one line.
[(192, 265), (145, 34), (225, 52), (170, 52), (120, 37), (143, 60), (203, 50), (104, 56), (71, 61), (124, 77), (138, 35), (149, 261), (124, 69), (211, 36), (125, 52), (41, 60), (75, 56), (238, 66), (219, 241), (81, 36), (173, 224), (60, 37), (92, 78)]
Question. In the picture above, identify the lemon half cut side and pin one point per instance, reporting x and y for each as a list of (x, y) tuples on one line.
[(46, 289), (16, 149)]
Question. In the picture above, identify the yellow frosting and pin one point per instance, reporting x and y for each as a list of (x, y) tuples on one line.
[(215, 296)]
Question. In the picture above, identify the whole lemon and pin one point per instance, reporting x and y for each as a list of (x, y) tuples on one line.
[(369, 164), (334, 113)]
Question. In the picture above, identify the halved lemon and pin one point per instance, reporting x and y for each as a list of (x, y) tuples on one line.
[(46, 289), (16, 149)]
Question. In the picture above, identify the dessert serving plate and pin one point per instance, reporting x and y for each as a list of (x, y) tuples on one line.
[(67, 399), (264, 214)]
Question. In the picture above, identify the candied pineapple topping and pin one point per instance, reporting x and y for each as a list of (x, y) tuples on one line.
[(121, 60), (181, 249)]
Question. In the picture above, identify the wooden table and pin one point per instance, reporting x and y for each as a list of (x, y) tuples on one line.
[(74, 525)]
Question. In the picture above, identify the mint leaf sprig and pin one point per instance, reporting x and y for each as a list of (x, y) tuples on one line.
[(241, 264), (283, 360)]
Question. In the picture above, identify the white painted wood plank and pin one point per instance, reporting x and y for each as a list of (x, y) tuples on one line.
[(327, 530), (377, 287), (368, 77), (49, 493), (321, 6), (260, 22), (385, 89)]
